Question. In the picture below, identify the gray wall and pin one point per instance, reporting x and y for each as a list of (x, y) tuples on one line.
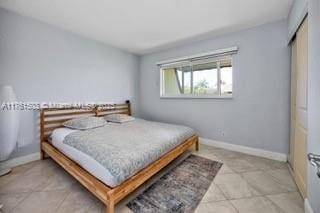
[(44, 63), (257, 116), (298, 11), (314, 101)]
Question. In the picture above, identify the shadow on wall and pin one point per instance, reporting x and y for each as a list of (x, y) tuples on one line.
[(29, 134)]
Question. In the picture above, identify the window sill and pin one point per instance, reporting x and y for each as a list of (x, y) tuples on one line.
[(194, 97)]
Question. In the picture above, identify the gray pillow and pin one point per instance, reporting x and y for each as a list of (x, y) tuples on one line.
[(84, 123), (118, 118)]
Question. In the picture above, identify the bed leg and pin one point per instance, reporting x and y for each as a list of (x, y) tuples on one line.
[(110, 207), (42, 155), (197, 145)]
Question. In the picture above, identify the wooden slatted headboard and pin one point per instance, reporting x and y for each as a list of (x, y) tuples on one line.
[(52, 118)]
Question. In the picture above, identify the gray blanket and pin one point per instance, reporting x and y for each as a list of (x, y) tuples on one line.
[(124, 149)]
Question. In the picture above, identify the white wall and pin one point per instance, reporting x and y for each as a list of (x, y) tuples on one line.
[(314, 100), (44, 63), (257, 116)]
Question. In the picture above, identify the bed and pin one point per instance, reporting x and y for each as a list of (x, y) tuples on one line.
[(155, 145)]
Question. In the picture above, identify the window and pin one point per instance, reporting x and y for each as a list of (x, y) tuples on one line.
[(201, 78)]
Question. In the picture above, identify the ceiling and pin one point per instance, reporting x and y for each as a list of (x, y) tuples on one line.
[(144, 26)]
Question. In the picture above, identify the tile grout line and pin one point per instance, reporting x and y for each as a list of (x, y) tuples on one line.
[(274, 204), (20, 201), (64, 199), (234, 207), (17, 175), (261, 195), (27, 196), (274, 179), (224, 195), (258, 196)]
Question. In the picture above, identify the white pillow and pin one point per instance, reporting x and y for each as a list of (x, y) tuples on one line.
[(85, 123), (118, 118)]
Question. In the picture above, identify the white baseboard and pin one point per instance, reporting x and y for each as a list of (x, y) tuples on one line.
[(246, 150), (20, 160), (307, 206)]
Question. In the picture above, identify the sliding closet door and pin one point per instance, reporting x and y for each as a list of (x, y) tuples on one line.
[(301, 109), (293, 100)]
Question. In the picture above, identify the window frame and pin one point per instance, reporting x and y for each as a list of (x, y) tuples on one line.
[(191, 63)]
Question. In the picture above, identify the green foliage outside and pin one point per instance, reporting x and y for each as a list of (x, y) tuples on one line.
[(201, 87)]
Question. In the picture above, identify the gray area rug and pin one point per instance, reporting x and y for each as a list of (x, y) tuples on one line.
[(180, 190)]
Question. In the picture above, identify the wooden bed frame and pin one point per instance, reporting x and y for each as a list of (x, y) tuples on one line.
[(52, 118)]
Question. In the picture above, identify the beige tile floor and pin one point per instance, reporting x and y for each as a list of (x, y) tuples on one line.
[(244, 184)]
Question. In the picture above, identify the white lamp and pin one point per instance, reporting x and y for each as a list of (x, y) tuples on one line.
[(9, 125)]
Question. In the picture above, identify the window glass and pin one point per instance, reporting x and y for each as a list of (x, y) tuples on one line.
[(207, 78), (171, 84), (226, 77)]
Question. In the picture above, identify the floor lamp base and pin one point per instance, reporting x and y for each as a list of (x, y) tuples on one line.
[(4, 171)]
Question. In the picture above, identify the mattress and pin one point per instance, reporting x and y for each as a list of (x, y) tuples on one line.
[(84, 160), (115, 152)]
